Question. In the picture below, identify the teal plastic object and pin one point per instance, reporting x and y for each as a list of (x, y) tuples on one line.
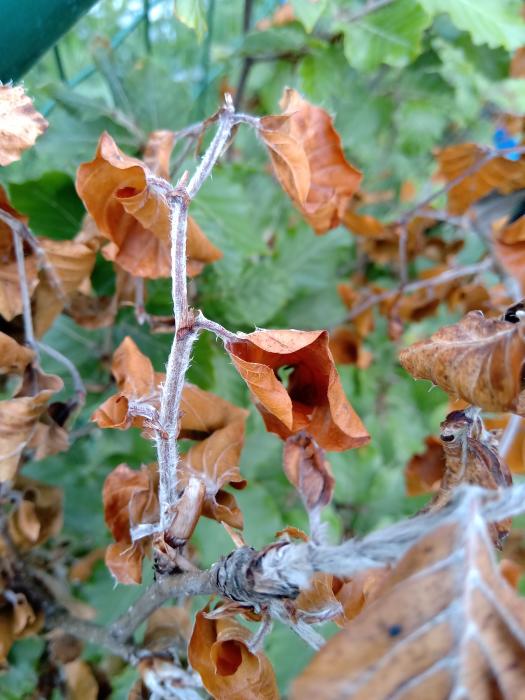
[(28, 28)]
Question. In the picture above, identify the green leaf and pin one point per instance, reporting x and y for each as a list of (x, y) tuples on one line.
[(289, 38), (308, 12), (192, 14), (392, 35), (492, 22), (51, 203)]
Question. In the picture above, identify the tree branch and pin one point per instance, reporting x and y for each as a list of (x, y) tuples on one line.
[(180, 585), (416, 286)]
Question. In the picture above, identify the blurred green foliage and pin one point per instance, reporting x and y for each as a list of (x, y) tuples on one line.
[(400, 81)]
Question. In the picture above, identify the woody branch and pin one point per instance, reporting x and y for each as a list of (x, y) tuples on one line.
[(187, 324)]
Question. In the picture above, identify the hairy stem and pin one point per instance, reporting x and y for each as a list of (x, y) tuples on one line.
[(186, 329)]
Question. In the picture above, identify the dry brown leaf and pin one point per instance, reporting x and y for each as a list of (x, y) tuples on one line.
[(37, 515), (168, 627), (422, 303), (81, 683), (309, 162), (312, 399), (478, 359), (216, 426), (424, 471), (10, 297), (381, 241), (72, 263), (124, 561), (218, 651), (499, 174), (82, 569), (308, 470), (357, 592), (14, 358), (157, 152), (445, 625), (471, 457), (347, 348), (515, 455), (20, 123), (284, 14), (19, 417), (130, 209), (17, 620)]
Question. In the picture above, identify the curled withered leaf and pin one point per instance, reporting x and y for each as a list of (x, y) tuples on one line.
[(308, 470), (309, 162), (130, 208), (499, 174), (37, 515), (446, 625), (130, 498), (20, 123), (312, 398), (138, 385), (478, 359), (471, 457), (219, 652), (424, 471), (72, 263), (19, 417), (14, 357)]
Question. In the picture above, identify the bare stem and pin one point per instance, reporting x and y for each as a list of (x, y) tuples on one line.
[(225, 335), (509, 434), (24, 292), (94, 634), (226, 121), (20, 229), (181, 585), (488, 155), (416, 286), (78, 384)]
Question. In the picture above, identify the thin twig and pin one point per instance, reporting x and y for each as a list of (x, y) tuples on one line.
[(18, 227), (227, 119), (180, 585), (248, 61), (78, 384), (225, 335), (94, 634), (447, 276), (403, 255), (512, 429), (488, 155), (140, 309), (24, 292)]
